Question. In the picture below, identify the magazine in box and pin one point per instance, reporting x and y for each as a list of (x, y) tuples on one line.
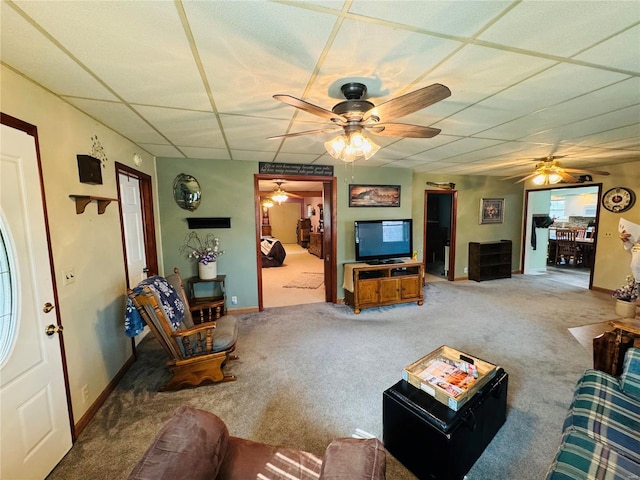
[(451, 376)]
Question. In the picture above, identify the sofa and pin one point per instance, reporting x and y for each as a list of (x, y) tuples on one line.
[(601, 433), (196, 445)]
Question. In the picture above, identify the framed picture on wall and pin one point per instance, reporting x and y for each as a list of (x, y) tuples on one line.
[(491, 210), (374, 195)]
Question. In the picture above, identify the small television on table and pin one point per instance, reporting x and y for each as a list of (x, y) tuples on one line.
[(383, 241)]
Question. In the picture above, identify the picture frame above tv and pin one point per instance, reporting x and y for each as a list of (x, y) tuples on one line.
[(374, 195)]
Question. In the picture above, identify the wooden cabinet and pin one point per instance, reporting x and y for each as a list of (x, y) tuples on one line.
[(489, 260), (315, 245), (303, 229), (379, 285)]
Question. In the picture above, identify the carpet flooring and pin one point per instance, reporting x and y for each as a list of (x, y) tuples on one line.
[(310, 373)]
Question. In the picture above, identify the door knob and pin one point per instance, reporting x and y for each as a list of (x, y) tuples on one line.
[(51, 329), (47, 307)]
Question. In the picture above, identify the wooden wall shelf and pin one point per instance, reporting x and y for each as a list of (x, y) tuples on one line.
[(83, 200)]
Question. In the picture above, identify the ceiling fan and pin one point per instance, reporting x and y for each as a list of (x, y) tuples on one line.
[(356, 115), (549, 171), (279, 195)]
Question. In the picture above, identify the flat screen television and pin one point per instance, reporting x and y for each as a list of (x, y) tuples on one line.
[(383, 241)]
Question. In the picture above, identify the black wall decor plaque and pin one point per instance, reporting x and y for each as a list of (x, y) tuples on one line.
[(296, 169), (209, 222), (89, 170)]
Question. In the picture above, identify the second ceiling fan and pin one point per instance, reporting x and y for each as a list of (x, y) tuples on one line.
[(356, 115), (549, 171)]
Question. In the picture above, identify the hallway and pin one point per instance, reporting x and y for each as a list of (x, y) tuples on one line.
[(297, 261)]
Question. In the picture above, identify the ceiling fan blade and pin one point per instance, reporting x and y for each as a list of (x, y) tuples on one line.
[(409, 102), (527, 177), (567, 178), (578, 170), (309, 108), (307, 132), (515, 176), (402, 130)]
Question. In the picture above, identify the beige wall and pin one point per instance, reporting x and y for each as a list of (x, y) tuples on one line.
[(92, 308)]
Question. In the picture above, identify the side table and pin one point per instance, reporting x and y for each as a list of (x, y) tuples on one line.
[(609, 348), (207, 298), (435, 442)]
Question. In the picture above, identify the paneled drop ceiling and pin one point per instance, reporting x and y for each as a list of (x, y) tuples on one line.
[(196, 78)]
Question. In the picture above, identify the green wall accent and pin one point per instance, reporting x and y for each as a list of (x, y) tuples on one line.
[(227, 191)]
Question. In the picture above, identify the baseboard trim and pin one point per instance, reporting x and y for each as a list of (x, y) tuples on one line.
[(243, 310), (95, 406)]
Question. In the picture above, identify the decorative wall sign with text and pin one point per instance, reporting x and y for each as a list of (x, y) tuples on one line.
[(296, 169)]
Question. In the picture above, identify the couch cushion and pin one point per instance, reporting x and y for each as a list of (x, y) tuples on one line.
[(249, 460), (603, 412), (354, 459), (582, 458), (192, 445), (630, 378)]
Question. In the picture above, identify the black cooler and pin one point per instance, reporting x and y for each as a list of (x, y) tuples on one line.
[(435, 442)]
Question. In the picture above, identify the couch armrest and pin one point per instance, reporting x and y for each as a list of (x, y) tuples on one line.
[(191, 446), (354, 459), (630, 378)]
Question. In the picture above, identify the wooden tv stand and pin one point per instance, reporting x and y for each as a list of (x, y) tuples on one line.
[(367, 286)]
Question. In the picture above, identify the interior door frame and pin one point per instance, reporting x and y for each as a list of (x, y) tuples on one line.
[(148, 222), (329, 241), (563, 186), (32, 130), (452, 234)]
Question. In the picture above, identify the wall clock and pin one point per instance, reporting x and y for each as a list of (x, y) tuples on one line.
[(618, 199)]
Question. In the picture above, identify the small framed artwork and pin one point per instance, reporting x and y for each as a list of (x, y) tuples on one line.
[(374, 195), (491, 210)]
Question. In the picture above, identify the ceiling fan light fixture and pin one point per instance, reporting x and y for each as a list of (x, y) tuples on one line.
[(267, 203), (554, 178), (279, 196), (349, 149)]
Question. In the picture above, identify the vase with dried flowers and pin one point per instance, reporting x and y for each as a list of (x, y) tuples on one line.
[(206, 251), (626, 297)]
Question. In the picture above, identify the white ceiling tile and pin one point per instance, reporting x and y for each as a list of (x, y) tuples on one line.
[(252, 155), (595, 103), (42, 61), (208, 153), (138, 48), (459, 18), (629, 116), (627, 48), (561, 27), (162, 150), (255, 53), (296, 157), (185, 127), (120, 118), (388, 58)]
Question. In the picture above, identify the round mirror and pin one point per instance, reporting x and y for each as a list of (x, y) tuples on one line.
[(186, 192)]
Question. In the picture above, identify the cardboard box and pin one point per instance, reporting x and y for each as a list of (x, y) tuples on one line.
[(451, 376)]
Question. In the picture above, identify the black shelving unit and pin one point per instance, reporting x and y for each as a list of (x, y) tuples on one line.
[(489, 260)]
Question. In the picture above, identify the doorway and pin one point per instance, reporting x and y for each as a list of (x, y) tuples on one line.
[(574, 207), (135, 201), (439, 234), (311, 235)]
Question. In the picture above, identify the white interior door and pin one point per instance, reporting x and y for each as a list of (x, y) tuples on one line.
[(34, 432), (131, 204)]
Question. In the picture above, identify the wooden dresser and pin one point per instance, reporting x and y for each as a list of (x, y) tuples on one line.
[(315, 245)]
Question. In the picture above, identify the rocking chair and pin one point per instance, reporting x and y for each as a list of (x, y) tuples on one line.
[(197, 353)]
